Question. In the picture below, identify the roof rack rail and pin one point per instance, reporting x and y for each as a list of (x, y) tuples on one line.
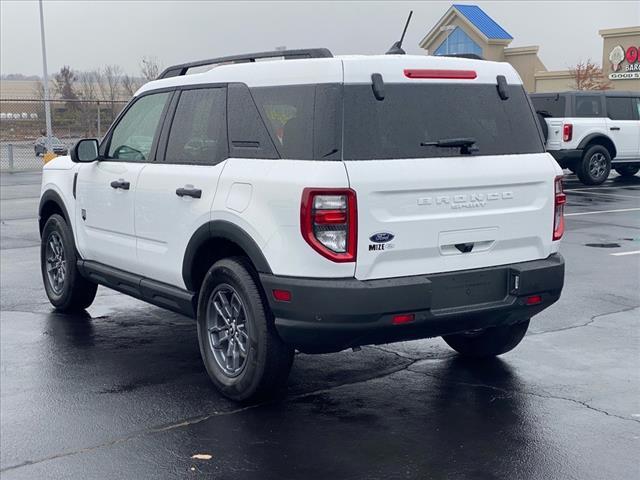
[(182, 68)]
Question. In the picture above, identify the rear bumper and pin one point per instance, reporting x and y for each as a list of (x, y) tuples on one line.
[(326, 315), (566, 157)]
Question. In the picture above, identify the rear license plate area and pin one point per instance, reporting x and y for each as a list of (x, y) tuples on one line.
[(453, 290)]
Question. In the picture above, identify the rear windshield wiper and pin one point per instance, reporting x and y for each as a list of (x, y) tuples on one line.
[(467, 145)]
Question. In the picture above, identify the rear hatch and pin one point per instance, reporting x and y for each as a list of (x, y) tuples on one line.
[(426, 208)]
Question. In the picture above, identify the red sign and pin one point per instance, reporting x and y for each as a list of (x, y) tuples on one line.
[(632, 54)]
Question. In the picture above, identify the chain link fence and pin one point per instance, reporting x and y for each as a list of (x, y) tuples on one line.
[(23, 128)]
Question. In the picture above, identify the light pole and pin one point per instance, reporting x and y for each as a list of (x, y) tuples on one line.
[(47, 108), (447, 28)]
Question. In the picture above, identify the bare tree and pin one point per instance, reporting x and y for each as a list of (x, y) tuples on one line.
[(588, 76), (64, 83), (38, 90), (149, 68), (109, 85), (87, 89), (87, 85), (129, 84)]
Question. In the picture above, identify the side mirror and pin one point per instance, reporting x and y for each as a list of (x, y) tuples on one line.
[(86, 150)]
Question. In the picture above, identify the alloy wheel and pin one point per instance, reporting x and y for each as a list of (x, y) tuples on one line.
[(56, 263), (597, 165), (227, 330)]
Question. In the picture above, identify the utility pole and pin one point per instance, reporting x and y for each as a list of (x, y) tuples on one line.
[(45, 75)]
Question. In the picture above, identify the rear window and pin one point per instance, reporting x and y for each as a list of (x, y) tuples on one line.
[(550, 105), (413, 114)]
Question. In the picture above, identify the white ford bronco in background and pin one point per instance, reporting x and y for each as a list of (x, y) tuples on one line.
[(588, 132), (315, 203)]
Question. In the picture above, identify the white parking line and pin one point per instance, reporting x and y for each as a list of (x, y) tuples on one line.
[(626, 187), (635, 252), (602, 211), (585, 192)]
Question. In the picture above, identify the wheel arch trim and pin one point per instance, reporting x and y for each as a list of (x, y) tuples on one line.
[(51, 196), (594, 138), (224, 230)]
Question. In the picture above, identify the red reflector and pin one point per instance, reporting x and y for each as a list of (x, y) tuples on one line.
[(324, 217), (428, 73), (400, 319), (534, 299), (282, 295)]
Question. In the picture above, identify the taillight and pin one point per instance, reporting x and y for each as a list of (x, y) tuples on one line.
[(558, 216), (567, 132), (329, 222)]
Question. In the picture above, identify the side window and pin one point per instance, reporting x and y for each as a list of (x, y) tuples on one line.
[(304, 120), (288, 114), (588, 106), (619, 108), (133, 136), (199, 128)]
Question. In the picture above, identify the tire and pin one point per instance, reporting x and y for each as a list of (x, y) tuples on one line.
[(627, 170), (263, 370), (595, 165), (66, 288), (488, 343), (543, 125)]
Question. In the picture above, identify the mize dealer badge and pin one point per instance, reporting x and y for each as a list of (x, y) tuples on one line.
[(381, 240)]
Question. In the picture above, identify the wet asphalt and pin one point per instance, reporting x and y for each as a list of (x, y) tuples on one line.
[(120, 392)]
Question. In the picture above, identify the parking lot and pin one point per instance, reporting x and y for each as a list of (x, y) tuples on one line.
[(121, 392)]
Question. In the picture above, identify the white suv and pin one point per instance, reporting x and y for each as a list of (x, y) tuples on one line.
[(315, 203), (588, 132)]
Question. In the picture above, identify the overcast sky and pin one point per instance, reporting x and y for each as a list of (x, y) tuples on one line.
[(89, 34)]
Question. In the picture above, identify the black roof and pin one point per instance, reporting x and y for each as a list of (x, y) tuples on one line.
[(609, 93)]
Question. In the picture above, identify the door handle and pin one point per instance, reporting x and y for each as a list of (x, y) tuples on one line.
[(189, 192), (121, 183), (614, 128)]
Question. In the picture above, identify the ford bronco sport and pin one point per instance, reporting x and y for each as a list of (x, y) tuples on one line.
[(316, 203), (589, 132)]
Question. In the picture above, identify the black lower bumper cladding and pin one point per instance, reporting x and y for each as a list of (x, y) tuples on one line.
[(326, 315)]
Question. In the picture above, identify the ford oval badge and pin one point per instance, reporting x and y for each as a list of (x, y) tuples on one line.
[(381, 237)]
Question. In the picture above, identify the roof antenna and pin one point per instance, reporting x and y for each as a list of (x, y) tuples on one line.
[(396, 48)]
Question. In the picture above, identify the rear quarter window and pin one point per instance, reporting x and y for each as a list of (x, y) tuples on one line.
[(303, 120), (550, 105)]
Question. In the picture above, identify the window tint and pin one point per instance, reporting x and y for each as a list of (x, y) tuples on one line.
[(588, 106), (413, 114), (198, 130), (303, 120), (133, 136), (619, 108), (636, 102), (549, 105)]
